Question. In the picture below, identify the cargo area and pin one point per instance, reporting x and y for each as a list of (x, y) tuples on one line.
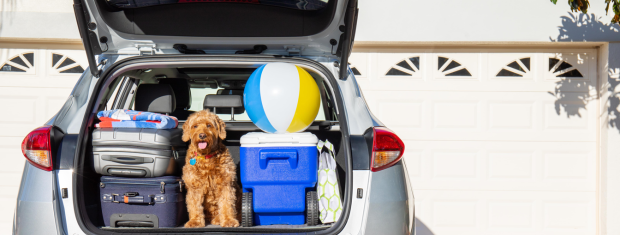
[(191, 86)]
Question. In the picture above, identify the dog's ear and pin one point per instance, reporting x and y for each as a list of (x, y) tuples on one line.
[(221, 126), (187, 127)]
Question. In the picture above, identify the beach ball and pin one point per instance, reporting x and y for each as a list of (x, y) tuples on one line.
[(281, 98)]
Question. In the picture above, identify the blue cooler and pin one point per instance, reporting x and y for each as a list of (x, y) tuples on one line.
[(278, 169)]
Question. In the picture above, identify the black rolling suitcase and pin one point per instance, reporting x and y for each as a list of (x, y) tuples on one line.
[(142, 202)]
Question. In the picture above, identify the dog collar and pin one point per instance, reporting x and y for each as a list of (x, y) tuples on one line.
[(193, 160), (203, 157)]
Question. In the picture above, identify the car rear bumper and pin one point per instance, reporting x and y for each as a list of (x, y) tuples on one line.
[(387, 201)]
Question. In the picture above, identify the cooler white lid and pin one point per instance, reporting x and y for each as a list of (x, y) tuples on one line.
[(254, 138)]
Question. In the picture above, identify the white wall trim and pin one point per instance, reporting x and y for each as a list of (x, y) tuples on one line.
[(41, 43)]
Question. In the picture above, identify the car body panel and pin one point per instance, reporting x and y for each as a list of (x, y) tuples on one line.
[(64, 179), (388, 202), (359, 116), (34, 213), (358, 205)]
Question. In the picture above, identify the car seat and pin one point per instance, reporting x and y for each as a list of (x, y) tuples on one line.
[(183, 96)]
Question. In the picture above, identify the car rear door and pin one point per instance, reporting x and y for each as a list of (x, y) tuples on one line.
[(323, 28)]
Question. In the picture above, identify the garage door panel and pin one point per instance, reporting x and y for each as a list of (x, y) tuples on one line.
[(508, 116), (40, 73), (501, 165), (454, 66), (455, 114), (497, 212), (392, 112), (18, 109), (561, 63), (400, 66), (58, 61), (489, 71), (495, 85), (23, 113), (12, 158), (511, 115), (34, 84), (511, 67)]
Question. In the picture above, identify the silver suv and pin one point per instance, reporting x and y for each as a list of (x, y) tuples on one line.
[(212, 45)]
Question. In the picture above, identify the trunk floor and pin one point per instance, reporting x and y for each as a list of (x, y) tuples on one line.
[(217, 228)]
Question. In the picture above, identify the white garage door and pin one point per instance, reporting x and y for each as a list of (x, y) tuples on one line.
[(497, 141), (34, 84)]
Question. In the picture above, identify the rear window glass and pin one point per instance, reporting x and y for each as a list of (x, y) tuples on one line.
[(294, 4), (198, 97)]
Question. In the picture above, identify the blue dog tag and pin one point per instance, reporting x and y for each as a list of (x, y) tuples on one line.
[(192, 161)]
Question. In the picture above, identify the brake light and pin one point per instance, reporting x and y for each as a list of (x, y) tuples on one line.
[(387, 149), (37, 148)]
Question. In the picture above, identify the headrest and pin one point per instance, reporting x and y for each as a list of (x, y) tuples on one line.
[(156, 98), (223, 101), (229, 92), (182, 92)]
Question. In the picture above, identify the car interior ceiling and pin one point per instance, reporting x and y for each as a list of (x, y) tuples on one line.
[(228, 82)]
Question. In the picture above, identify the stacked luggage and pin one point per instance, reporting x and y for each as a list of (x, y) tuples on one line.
[(139, 188)]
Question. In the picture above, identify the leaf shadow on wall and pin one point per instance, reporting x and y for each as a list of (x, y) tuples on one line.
[(579, 27), (573, 94), (614, 98), (569, 100)]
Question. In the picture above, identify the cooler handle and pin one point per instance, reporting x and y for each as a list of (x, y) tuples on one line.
[(278, 154)]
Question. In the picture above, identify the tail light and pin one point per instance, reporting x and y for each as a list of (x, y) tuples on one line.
[(37, 148), (387, 149)]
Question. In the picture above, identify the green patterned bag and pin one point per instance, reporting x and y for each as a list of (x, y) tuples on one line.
[(330, 204)]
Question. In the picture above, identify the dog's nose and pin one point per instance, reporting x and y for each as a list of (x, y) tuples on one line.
[(202, 136)]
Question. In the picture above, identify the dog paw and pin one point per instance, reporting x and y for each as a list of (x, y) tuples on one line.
[(230, 223), (194, 224), (216, 221)]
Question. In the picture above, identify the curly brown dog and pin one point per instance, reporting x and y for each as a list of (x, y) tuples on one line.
[(210, 178)]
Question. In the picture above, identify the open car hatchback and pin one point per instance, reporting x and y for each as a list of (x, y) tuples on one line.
[(211, 47)]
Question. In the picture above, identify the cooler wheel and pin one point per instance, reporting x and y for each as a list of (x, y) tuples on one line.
[(247, 211), (312, 208)]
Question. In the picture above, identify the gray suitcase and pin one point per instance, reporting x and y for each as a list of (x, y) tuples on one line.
[(136, 152)]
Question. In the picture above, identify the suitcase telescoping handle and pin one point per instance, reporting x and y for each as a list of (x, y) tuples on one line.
[(133, 198)]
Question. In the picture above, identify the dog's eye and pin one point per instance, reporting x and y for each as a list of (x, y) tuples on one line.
[(195, 126), (208, 125)]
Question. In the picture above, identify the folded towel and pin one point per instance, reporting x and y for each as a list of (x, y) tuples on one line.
[(124, 118)]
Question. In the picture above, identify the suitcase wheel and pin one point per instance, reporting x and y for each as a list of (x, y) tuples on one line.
[(247, 212), (312, 208)]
